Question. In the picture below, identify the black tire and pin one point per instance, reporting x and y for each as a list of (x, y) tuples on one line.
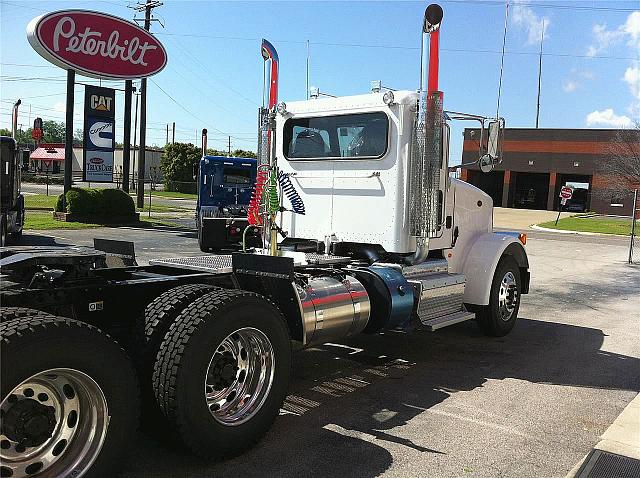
[(35, 344), (10, 313), (489, 317), (158, 317), (183, 362)]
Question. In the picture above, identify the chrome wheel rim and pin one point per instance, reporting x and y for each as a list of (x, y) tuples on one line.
[(239, 376), (54, 424), (507, 296)]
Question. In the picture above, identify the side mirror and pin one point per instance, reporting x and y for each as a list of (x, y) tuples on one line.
[(493, 153), (486, 163), (494, 148)]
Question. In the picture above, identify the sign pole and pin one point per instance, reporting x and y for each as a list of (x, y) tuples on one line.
[(68, 139), (126, 148), (559, 211)]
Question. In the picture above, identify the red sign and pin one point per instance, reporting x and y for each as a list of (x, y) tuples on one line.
[(36, 134), (96, 44), (566, 192)]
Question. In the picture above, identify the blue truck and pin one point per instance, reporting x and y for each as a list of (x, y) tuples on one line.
[(225, 185)]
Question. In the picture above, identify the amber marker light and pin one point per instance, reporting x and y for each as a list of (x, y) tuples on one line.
[(523, 238)]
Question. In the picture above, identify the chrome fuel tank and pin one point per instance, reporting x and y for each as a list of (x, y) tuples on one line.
[(332, 309)]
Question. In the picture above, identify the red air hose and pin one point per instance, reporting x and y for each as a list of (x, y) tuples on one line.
[(253, 212)]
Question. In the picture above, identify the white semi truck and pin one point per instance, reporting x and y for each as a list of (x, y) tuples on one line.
[(363, 231)]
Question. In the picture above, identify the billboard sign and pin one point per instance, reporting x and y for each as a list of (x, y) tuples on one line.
[(99, 134), (96, 44)]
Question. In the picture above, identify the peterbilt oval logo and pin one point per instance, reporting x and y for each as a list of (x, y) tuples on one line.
[(96, 160), (96, 44)]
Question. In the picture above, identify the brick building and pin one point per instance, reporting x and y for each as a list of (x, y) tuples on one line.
[(539, 162)]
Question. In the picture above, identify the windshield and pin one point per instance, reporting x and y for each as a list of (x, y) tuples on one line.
[(236, 176), (337, 137)]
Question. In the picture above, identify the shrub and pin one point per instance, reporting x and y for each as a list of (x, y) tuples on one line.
[(98, 203), (181, 187)]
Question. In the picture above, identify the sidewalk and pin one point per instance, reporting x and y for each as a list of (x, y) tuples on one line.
[(521, 219), (621, 438)]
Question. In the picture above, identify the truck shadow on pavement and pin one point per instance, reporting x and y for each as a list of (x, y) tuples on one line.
[(346, 400)]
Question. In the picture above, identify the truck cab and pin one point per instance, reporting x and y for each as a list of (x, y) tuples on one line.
[(12, 201), (224, 192), (351, 159)]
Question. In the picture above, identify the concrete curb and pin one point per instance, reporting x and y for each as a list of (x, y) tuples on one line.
[(622, 437), (579, 233)]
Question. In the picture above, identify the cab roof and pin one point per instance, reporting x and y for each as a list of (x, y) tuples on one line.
[(233, 160)]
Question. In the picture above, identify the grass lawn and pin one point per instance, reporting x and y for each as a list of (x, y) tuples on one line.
[(44, 220), (40, 200), (592, 224), (170, 195)]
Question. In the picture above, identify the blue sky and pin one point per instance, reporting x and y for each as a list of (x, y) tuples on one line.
[(590, 77)]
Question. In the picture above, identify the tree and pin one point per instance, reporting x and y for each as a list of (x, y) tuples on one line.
[(52, 132), (621, 166), (238, 153), (177, 165)]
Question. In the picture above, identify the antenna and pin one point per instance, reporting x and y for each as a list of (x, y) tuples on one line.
[(504, 42), (540, 75)]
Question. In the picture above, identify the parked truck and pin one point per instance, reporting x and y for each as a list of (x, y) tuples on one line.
[(11, 199), (224, 191), (388, 241)]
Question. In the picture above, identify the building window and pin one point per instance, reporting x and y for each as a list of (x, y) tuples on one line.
[(616, 201)]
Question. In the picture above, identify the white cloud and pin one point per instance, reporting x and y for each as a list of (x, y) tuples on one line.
[(525, 18), (608, 118), (569, 86), (632, 78), (632, 28), (604, 38), (60, 107)]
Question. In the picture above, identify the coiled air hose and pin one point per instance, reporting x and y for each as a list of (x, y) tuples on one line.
[(253, 211), (274, 202), (297, 206)]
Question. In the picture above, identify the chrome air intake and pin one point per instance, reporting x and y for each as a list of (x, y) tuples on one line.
[(332, 308), (424, 166)]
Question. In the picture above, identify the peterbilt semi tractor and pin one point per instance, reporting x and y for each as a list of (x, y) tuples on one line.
[(224, 191), (387, 241)]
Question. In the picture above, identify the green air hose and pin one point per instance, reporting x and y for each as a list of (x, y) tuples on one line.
[(274, 202)]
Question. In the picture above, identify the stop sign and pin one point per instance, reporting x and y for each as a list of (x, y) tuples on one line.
[(566, 192)]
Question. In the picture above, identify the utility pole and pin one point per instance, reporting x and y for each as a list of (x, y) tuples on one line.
[(148, 6), (126, 146), (135, 139), (539, 76), (167, 140), (173, 135), (229, 146)]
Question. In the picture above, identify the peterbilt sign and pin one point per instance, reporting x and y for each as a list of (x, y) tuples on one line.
[(96, 44)]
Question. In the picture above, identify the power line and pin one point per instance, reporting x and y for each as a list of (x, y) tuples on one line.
[(188, 53), (544, 5), (411, 48)]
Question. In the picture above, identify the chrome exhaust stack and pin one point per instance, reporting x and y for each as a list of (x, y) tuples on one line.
[(426, 152)]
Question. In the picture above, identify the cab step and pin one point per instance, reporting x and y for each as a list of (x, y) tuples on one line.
[(446, 320)]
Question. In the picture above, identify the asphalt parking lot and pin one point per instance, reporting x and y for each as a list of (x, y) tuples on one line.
[(452, 403)]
